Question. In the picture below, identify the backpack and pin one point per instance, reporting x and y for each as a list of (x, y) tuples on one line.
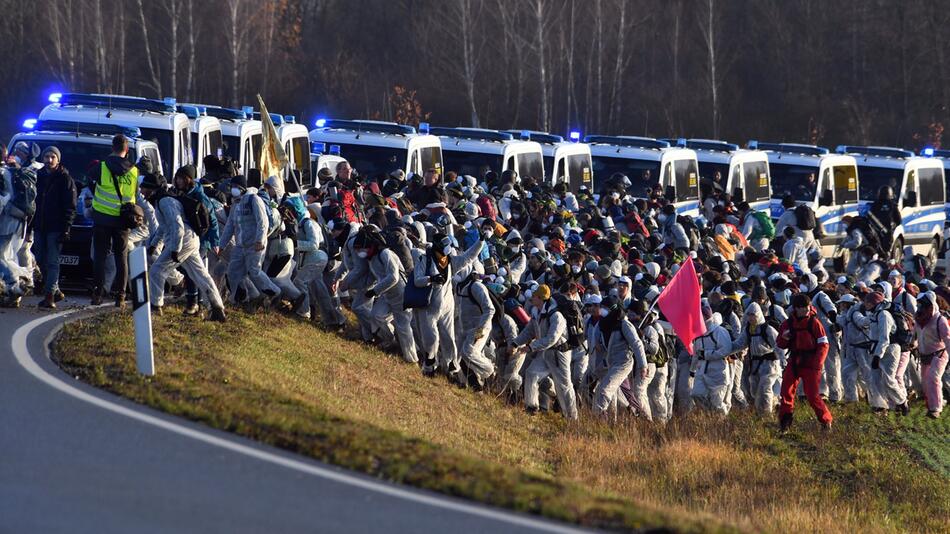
[(24, 190), (805, 217), (495, 302), (692, 231), (571, 311), (905, 333), (664, 352), (871, 234), (350, 210), (766, 227), (289, 217), (193, 212), (396, 241)]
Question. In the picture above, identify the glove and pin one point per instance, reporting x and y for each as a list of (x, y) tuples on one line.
[(63, 237), (692, 374), (438, 279), (150, 251), (175, 257), (875, 362), (370, 293)]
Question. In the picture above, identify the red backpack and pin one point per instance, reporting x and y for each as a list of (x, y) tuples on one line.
[(487, 206)]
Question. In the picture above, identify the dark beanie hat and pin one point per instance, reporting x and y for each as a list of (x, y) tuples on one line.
[(187, 170)]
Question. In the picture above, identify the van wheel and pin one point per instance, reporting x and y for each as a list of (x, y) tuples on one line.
[(934, 253), (897, 250)]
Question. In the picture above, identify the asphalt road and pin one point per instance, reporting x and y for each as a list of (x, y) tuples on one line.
[(75, 459)]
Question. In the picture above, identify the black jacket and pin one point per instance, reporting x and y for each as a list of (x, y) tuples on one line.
[(55, 200)]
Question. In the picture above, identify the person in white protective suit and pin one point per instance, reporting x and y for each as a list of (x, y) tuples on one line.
[(546, 337), (712, 378), (180, 247)]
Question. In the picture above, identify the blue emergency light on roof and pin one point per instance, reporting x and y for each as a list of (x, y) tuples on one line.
[(248, 112), (170, 101), (681, 142), (575, 136), (290, 119), (29, 124), (334, 150), (55, 97), (525, 135), (927, 152), (320, 123), (752, 144), (90, 128), (190, 111), (424, 128), (203, 110), (317, 147)]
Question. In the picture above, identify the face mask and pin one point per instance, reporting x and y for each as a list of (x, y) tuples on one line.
[(661, 218), (515, 249), (803, 288), (235, 192), (362, 254), (576, 268), (488, 234), (604, 312), (448, 251)]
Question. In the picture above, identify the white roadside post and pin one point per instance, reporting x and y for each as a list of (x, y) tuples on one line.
[(141, 311)]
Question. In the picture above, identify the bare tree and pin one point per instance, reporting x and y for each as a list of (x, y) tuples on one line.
[(154, 68), (708, 30)]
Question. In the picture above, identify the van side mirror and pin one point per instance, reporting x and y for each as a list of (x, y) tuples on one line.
[(670, 193), (826, 198), (910, 199), (737, 195)]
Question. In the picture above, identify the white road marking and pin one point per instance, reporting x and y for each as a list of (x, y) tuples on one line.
[(26, 361)]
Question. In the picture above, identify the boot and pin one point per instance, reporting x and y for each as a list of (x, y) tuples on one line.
[(191, 310), (48, 303), (785, 422), (96, 297), (156, 311), (902, 409), (217, 315), (58, 296)]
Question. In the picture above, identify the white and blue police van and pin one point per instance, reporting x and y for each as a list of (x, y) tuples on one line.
[(743, 174), (377, 148), (242, 136), (206, 136), (474, 151), (919, 189), (828, 183), (157, 120), (564, 162), (649, 164), (295, 138), (82, 146), (324, 157)]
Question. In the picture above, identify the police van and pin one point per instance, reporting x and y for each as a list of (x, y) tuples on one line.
[(919, 188), (322, 157), (242, 136), (744, 174), (157, 120), (473, 151), (828, 183), (206, 136), (295, 138), (649, 164), (81, 146), (376, 148), (568, 162)]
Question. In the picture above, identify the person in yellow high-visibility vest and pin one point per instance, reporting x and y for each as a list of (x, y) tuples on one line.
[(108, 233)]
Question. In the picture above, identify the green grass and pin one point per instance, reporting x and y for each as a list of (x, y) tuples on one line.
[(345, 403)]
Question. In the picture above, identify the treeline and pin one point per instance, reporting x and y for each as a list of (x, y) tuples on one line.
[(855, 71)]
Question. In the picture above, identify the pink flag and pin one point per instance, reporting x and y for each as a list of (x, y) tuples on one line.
[(680, 303)]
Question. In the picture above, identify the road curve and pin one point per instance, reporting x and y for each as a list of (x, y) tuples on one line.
[(77, 459)]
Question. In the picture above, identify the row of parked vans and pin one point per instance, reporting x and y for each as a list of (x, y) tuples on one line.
[(836, 184)]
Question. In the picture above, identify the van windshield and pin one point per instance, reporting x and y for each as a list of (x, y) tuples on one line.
[(471, 163), (872, 179), (643, 174), (372, 161), (800, 181), (166, 145)]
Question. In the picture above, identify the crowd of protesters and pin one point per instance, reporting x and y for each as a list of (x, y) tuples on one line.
[(508, 285)]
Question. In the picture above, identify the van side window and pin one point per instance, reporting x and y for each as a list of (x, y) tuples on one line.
[(931, 187)]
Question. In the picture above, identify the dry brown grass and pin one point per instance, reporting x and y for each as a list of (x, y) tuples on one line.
[(343, 402)]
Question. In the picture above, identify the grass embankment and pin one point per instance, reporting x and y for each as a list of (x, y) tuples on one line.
[(348, 404)]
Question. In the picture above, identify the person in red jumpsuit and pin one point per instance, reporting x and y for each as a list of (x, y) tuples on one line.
[(807, 344)]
